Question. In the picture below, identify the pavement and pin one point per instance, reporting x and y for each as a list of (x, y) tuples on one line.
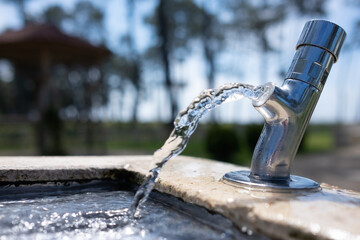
[(340, 167)]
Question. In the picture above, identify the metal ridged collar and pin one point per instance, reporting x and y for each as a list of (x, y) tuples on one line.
[(323, 34)]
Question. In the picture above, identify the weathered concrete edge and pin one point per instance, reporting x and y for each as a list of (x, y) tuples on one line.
[(244, 216), (65, 175), (35, 169), (50, 169)]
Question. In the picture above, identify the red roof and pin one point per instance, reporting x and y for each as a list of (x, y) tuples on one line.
[(30, 42)]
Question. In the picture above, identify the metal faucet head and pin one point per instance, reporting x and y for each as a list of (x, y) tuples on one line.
[(317, 49), (322, 34)]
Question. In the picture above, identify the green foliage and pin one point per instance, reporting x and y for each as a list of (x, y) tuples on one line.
[(84, 20), (187, 22), (183, 25), (55, 15), (52, 122), (257, 17), (252, 134), (121, 138), (304, 140), (184, 21), (317, 139), (6, 97), (222, 142)]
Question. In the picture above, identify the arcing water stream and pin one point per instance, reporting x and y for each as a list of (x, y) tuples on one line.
[(186, 123), (98, 209)]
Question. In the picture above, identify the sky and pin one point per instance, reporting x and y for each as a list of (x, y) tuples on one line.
[(338, 103)]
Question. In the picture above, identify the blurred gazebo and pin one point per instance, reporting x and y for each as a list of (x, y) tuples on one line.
[(33, 51)]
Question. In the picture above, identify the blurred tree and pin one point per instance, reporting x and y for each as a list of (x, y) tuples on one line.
[(85, 20), (177, 23), (354, 45), (23, 88), (163, 30), (182, 22), (6, 97), (307, 7), (252, 134), (132, 61), (222, 142), (55, 15), (82, 89), (212, 39), (258, 17), (85, 87), (23, 14)]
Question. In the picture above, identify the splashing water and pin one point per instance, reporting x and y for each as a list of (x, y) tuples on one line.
[(185, 124), (97, 210)]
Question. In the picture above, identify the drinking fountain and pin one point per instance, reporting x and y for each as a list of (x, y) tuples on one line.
[(288, 109)]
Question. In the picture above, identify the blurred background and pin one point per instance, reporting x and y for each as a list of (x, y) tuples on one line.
[(108, 77)]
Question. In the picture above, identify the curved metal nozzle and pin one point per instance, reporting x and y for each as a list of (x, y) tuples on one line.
[(288, 109)]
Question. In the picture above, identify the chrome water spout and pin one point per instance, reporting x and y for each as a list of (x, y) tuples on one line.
[(288, 109)]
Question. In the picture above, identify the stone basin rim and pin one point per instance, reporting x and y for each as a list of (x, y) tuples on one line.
[(322, 215)]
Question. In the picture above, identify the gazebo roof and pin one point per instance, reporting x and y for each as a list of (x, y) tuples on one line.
[(27, 45)]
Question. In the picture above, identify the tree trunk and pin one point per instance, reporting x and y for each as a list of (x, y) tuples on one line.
[(209, 52), (165, 51), (136, 64)]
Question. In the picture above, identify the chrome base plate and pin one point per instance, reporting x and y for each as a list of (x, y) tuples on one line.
[(242, 179)]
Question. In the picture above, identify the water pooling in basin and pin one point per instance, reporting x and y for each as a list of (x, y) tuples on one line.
[(185, 124), (97, 210)]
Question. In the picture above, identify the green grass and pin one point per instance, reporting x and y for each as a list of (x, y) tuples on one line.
[(319, 141), (144, 146), (196, 148), (120, 138), (16, 138)]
